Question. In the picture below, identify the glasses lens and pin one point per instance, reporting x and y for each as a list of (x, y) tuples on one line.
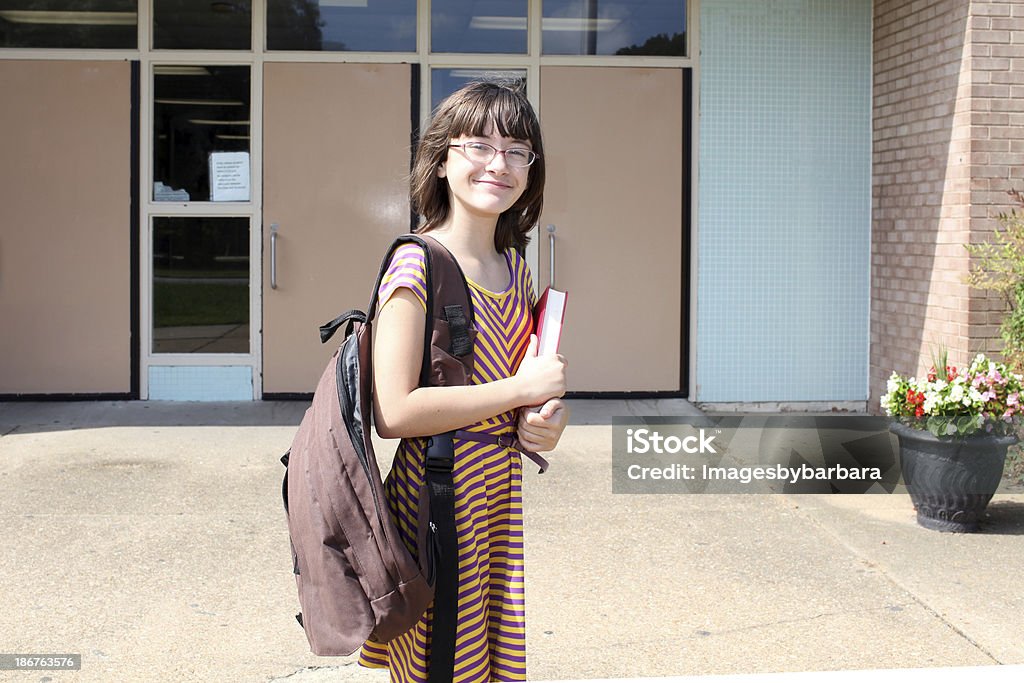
[(519, 157), (479, 152)]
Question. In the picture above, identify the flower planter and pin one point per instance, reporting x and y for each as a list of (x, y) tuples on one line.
[(950, 480)]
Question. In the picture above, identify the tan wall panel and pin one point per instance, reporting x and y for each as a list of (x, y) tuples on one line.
[(336, 163), (64, 242), (613, 143)]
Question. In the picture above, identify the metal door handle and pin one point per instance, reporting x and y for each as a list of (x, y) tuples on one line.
[(273, 255), (551, 243)]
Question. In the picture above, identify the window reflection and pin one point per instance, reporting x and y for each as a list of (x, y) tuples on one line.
[(200, 285), (490, 26), (202, 24), (99, 24), (200, 114), (443, 82), (342, 25), (614, 27)]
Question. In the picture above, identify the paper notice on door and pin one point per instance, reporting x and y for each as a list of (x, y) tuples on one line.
[(229, 176)]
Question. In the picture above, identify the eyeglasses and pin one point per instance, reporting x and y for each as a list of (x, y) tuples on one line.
[(482, 153)]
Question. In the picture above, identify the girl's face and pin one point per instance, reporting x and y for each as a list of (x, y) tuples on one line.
[(484, 189)]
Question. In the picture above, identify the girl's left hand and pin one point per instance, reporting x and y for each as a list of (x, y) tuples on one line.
[(540, 429)]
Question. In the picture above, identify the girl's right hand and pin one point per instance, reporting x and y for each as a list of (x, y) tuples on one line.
[(541, 377)]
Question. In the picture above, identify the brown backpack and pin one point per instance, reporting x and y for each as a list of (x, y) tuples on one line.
[(356, 579)]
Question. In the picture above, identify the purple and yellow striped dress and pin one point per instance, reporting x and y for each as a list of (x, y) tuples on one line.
[(490, 642)]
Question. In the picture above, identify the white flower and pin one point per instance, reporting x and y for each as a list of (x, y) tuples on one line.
[(956, 394)]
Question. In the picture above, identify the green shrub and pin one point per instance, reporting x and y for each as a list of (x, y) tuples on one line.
[(998, 265)]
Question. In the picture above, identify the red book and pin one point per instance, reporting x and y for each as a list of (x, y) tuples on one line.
[(548, 317)]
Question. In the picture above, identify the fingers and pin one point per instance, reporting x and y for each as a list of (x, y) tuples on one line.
[(548, 409), (552, 411), (534, 442), (531, 445), (531, 348), (540, 428), (538, 437)]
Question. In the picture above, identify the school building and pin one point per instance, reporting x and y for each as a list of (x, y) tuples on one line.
[(749, 201)]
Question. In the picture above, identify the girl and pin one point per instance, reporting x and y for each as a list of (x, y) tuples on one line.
[(478, 182)]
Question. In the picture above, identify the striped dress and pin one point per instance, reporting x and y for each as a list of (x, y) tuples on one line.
[(490, 643)]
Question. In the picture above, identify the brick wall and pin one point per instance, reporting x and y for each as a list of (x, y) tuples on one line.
[(997, 139), (948, 143)]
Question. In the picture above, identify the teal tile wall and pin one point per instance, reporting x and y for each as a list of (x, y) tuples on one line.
[(200, 383), (784, 200)]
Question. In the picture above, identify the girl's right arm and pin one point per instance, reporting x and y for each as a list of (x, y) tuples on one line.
[(403, 409)]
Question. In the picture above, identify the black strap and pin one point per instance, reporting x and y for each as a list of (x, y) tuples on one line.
[(458, 330), (350, 316), (440, 460)]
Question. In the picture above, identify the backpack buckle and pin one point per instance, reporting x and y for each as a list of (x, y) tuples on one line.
[(440, 464)]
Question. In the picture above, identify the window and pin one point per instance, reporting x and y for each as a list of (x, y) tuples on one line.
[(496, 26), (100, 24), (200, 285), (443, 82), (614, 27), (202, 24), (342, 25), (201, 133)]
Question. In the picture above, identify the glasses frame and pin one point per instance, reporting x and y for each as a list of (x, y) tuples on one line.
[(495, 152)]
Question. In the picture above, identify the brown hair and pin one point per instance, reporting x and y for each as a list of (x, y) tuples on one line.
[(469, 111)]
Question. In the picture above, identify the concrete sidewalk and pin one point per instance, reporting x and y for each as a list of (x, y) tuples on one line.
[(150, 538)]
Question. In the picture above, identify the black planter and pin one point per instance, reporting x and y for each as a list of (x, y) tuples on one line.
[(950, 480)]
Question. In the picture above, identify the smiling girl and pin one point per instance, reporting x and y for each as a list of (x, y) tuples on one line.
[(478, 182)]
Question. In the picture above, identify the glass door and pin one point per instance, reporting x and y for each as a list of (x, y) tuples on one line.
[(200, 325)]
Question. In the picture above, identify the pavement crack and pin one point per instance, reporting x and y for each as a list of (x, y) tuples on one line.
[(917, 600), (10, 431), (780, 622), (305, 670)]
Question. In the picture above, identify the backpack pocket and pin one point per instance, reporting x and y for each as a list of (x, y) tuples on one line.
[(446, 369)]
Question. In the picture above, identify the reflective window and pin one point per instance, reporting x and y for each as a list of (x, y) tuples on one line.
[(443, 82), (101, 24), (200, 285), (201, 133), (487, 26), (202, 24), (614, 27), (342, 25)]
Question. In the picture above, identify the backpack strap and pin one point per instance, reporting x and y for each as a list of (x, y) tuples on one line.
[(448, 299)]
